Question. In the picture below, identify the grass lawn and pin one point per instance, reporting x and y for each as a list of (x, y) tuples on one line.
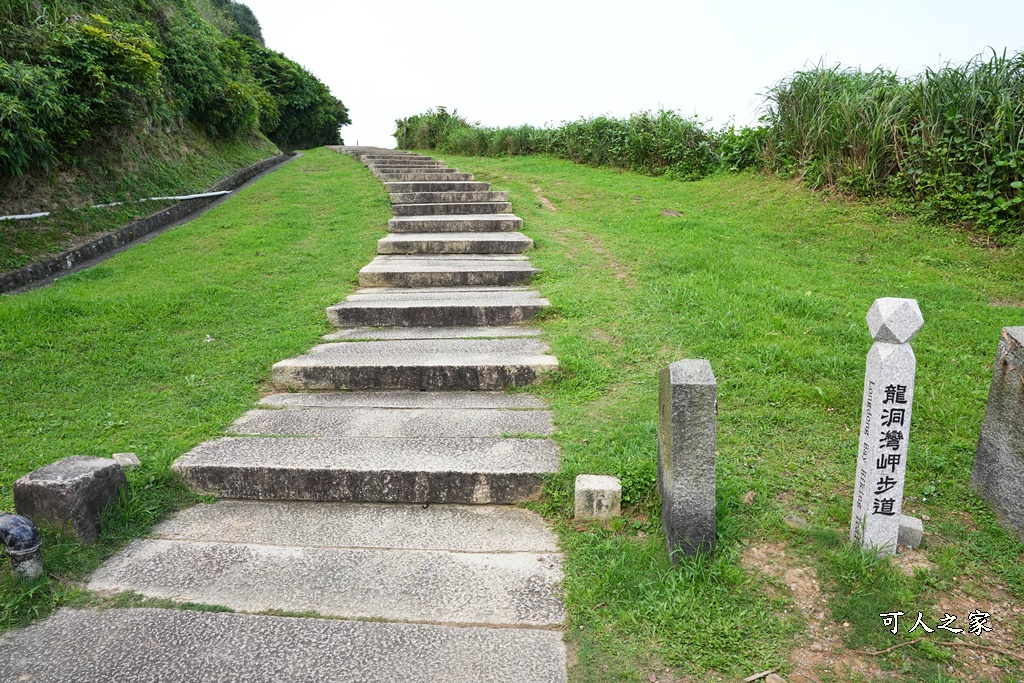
[(164, 345), (771, 284)]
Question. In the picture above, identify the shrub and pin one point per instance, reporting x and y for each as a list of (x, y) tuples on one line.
[(949, 140), (31, 105), (652, 143)]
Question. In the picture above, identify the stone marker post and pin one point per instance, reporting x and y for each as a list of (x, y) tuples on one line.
[(885, 424), (687, 404), (998, 474)]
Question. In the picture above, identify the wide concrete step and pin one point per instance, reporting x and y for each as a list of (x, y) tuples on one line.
[(350, 583), (494, 400), (447, 197), (428, 364), (501, 222), (439, 186), (455, 528), (179, 646), (450, 208), (371, 469), (392, 154), (455, 243), (393, 422), (421, 176), (405, 168), (386, 165), (457, 332), (446, 271), (417, 308)]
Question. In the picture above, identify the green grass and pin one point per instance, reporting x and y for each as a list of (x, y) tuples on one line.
[(767, 281), (154, 165), (164, 345), (771, 284)]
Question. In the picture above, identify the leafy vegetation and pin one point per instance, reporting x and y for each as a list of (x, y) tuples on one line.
[(771, 285), (163, 346), (947, 142), (76, 72), (951, 140), (662, 143)]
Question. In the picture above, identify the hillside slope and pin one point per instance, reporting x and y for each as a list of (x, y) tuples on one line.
[(104, 101)]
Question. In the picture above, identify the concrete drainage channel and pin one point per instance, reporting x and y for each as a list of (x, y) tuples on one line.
[(383, 500)]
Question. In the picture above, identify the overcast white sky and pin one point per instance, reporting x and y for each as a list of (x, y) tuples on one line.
[(545, 61)]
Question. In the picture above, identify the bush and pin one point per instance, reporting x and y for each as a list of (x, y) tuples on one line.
[(307, 115), (950, 141), (31, 105), (66, 79), (662, 143)]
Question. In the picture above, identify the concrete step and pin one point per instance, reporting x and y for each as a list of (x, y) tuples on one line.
[(428, 364), (419, 165), (390, 158), (499, 222), (411, 159), (455, 528), (455, 243), (349, 583), (393, 333), (178, 646), (406, 168), (370, 469), (447, 197), (415, 176), (446, 271), (440, 186), (494, 400), (448, 209), (393, 422), (419, 308)]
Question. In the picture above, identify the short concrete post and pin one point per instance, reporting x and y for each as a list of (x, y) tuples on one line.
[(885, 424), (597, 497), (687, 406), (998, 474)]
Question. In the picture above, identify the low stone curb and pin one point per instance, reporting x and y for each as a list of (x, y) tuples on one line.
[(41, 270)]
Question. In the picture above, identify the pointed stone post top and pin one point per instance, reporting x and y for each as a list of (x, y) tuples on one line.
[(894, 321)]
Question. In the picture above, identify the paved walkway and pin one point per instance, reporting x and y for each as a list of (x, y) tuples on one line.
[(365, 530)]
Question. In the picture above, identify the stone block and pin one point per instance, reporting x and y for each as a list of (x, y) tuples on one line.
[(70, 494), (597, 497), (911, 531), (687, 396), (998, 474)]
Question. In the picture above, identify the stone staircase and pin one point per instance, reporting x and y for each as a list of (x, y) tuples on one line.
[(364, 530)]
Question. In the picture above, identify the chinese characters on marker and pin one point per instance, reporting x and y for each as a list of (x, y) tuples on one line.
[(893, 422)]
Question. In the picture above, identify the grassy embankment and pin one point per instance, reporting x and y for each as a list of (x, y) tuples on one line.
[(771, 284), (164, 345), (162, 165)]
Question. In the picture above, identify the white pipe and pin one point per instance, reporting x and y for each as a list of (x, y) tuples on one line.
[(183, 197)]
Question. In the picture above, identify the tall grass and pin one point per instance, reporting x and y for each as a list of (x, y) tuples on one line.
[(949, 140), (652, 143)]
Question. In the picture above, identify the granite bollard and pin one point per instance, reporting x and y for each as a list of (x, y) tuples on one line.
[(885, 424), (998, 473), (70, 494), (687, 407)]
